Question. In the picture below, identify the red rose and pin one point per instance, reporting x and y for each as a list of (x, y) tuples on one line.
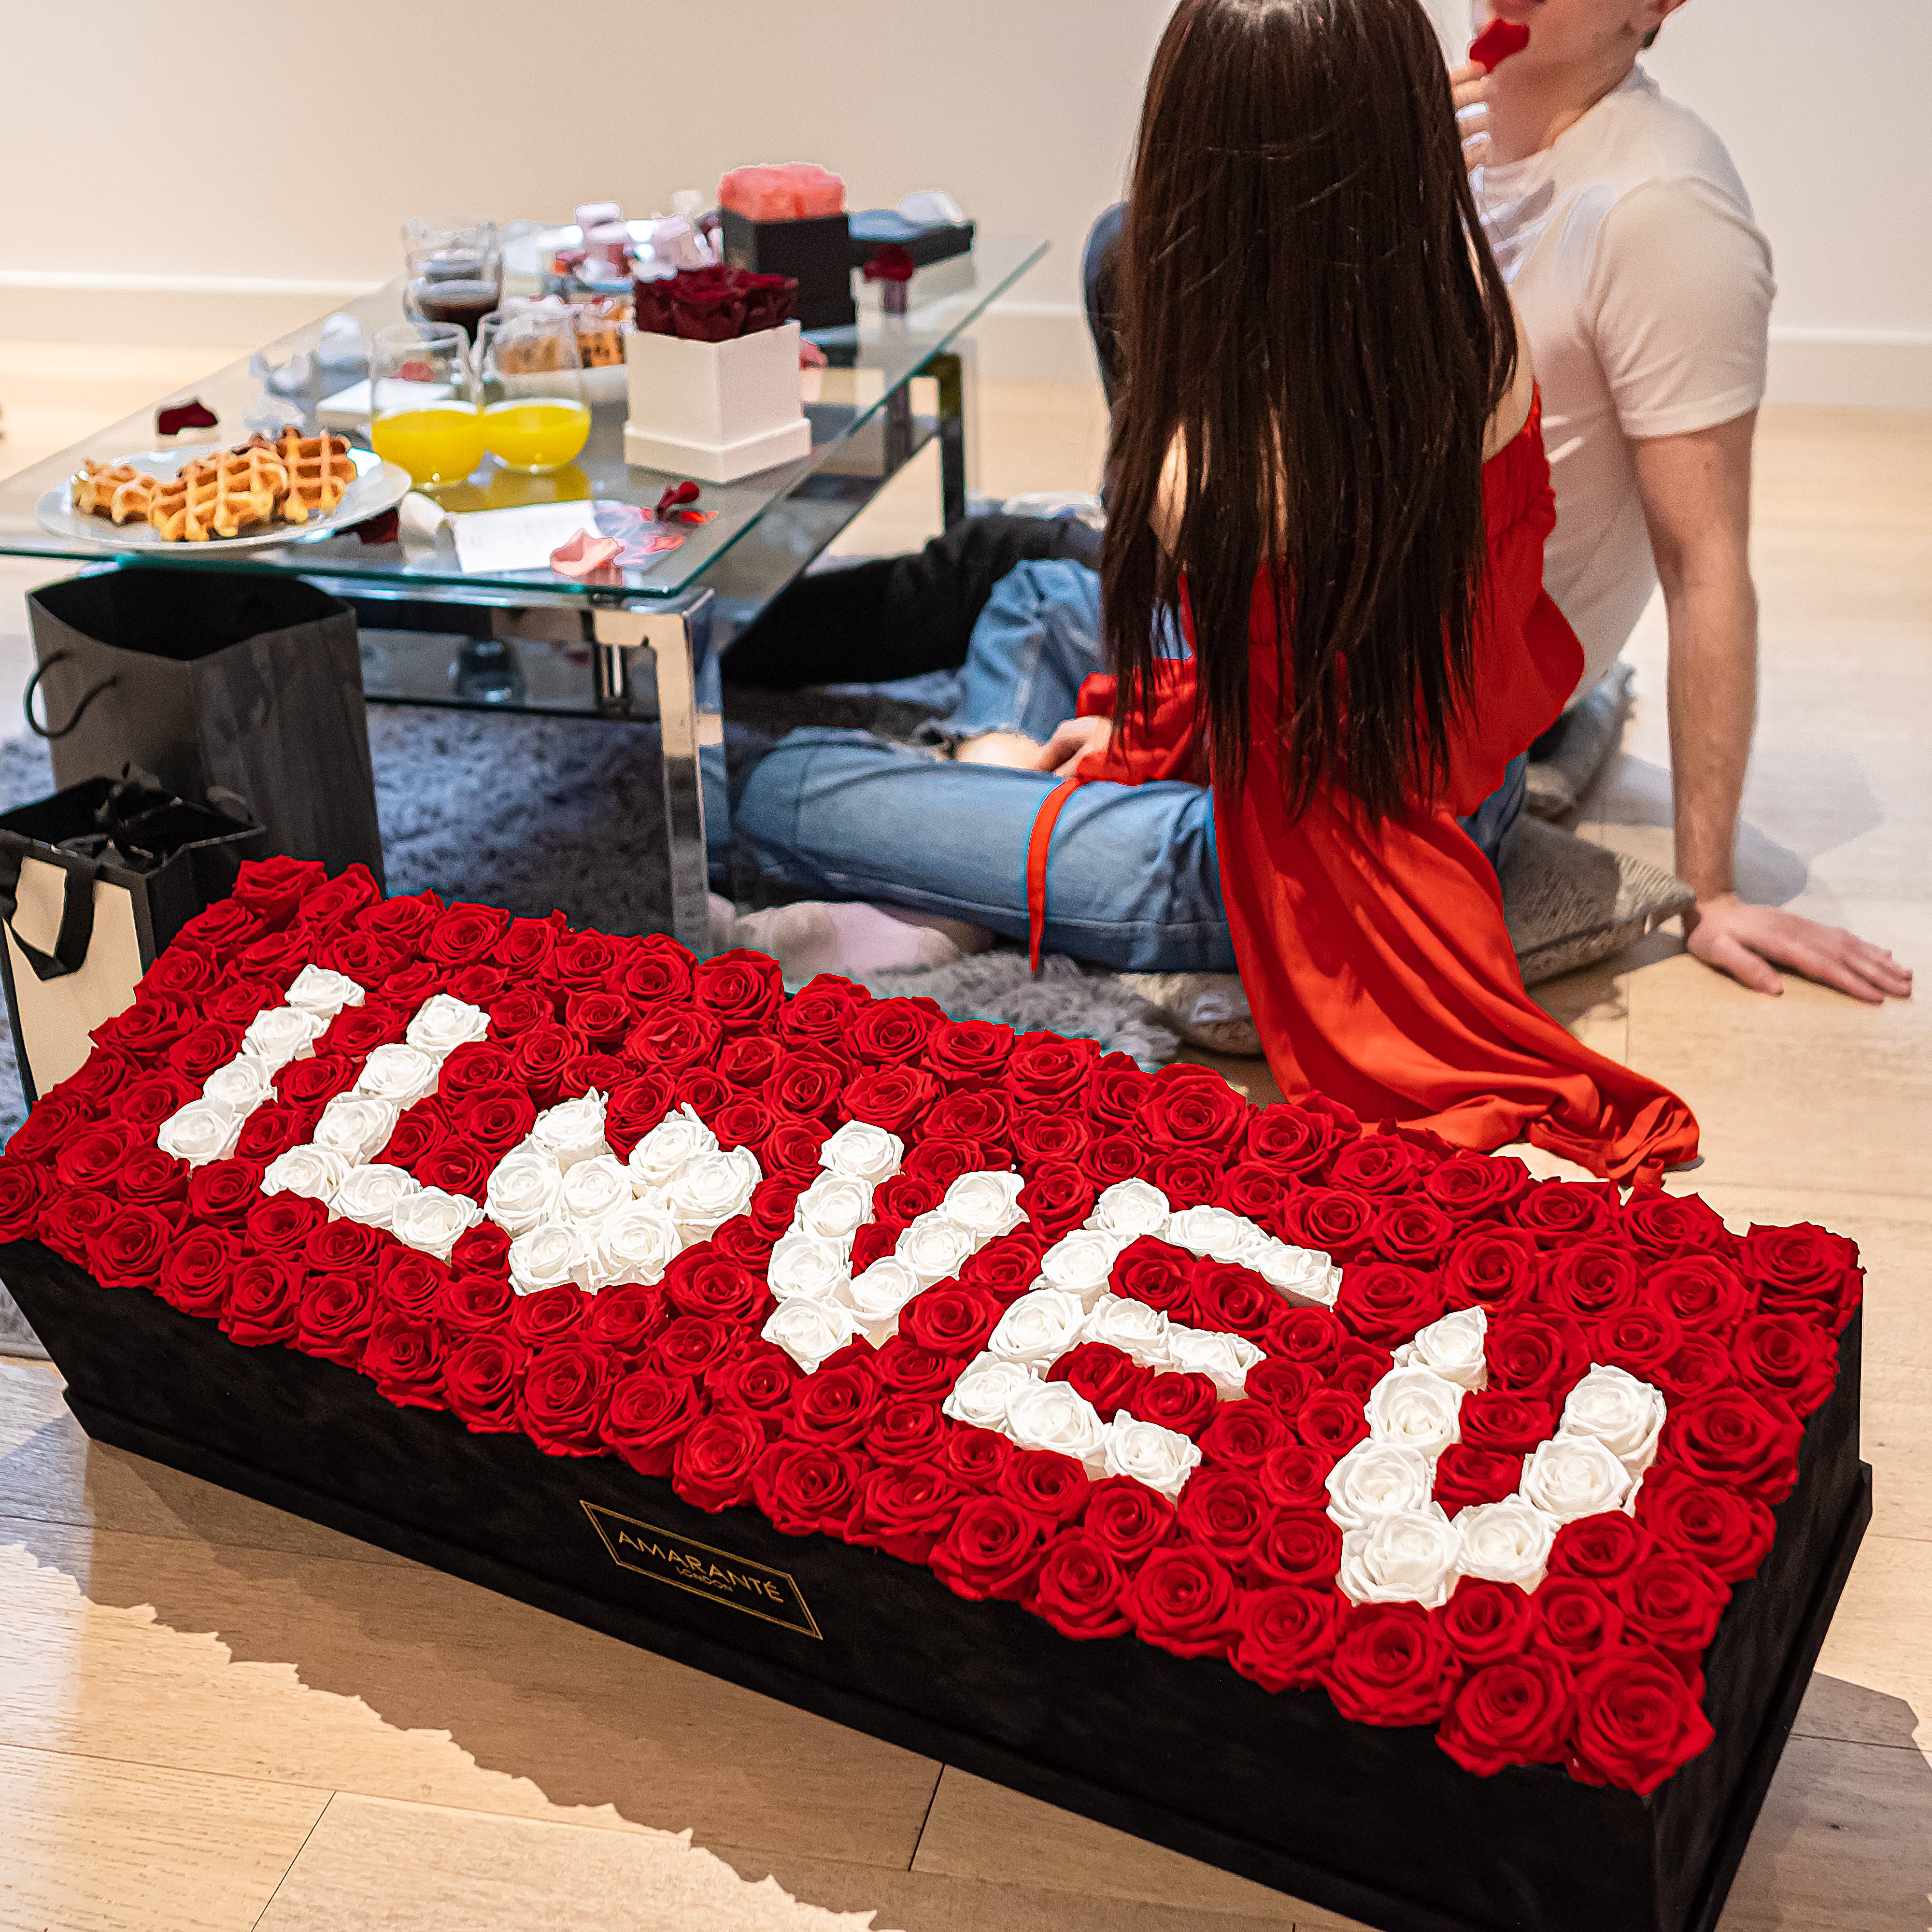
[(819, 1014), (893, 1097), (1332, 1420), (477, 1066), (1296, 1546), (143, 1104), (806, 1083), (130, 1250), (760, 1383), (336, 1245), (1504, 1424), (904, 1510), (366, 959), (1230, 1299), (1392, 1665), (1187, 1180), (562, 1401), (636, 1106), (1486, 1622), (790, 1152), (626, 1320), (1558, 1213), (1466, 1475), (1125, 1518), (1243, 1433), (1114, 1157), (340, 897), (150, 1178), (145, 1031), (1053, 1488), (526, 945), (1698, 1291), (313, 1082), (482, 1249), (22, 1190), (1294, 1141), (333, 1315), (1535, 1355), (1287, 1637), (993, 1549), (890, 1033), (1664, 1225), (1382, 1165), (1672, 1602), (906, 1369), (203, 1049), (1155, 1272), (1116, 1090), (1516, 1712), (1278, 1386), (742, 1122), (1077, 1589), (953, 1321), (1637, 1721), (1639, 1339), (1057, 1199), (1188, 1110), (260, 1305), (472, 1304), (741, 990), (747, 1061), (495, 1116), (551, 1315), (712, 1469), (457, 1168), (410, 1281), (942, 1159), (1183, 1402), (404, 1360), (647, 1416), (1258, 1193), (1181, 1599), (1358, 1367), (1388, 1305), (194, 1272), (982, 1117), (1746, 1442), (516, 1012), (180, 973), (238, 1002), (481, 1377), (690, 1345), (1592, 1280), (465, 934), (479, 985), (1702, 1363), (1804, 1269), (272, 889), (1333, 1221), (1309, 1335), (805, 1490), (1600, 1547), (657, 971), (974, 1457), (70, 1223), (541, 1054), (835, 1407), (408, 987), (1411, 1233), (700, 1281), (1475, 1187), (1108, 1377), (905, 1197), (1044, 1137), (1046, 1071), (580, 961), (221, 930), (1730, 1534), (966, 1052), (674, 1038), (271, 1130), (1580, 1620), (906, 1429), (95, 1086), (357, 1031)]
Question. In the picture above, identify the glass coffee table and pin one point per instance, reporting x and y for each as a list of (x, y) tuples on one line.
[(637, 645)]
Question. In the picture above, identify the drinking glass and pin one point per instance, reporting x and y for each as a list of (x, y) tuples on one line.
[(536, 418), (422, 401), (456, 266)]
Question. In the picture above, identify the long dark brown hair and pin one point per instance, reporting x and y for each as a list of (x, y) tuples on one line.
[(1305, 321)]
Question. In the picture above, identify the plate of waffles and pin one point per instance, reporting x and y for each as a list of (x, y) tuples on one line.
[(267, 490)]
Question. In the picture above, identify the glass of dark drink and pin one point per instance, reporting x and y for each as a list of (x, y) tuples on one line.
[(456, 267)]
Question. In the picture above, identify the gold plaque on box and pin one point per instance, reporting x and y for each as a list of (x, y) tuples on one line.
[(716, 1575)]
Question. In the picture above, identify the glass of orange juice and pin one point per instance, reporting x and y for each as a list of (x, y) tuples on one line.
[(536, 418), (423, 409)]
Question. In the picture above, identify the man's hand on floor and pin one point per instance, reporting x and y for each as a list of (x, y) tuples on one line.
[(1749, 942)]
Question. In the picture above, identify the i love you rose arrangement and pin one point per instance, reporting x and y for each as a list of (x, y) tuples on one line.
[(1334, 1404)]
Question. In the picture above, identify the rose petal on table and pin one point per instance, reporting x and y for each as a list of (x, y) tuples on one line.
[(581, 554), (193, 414)]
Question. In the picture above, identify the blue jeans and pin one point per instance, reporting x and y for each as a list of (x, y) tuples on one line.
[(1132, 881)]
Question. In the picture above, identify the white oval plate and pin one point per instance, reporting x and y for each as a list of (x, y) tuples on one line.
[(379, 486)]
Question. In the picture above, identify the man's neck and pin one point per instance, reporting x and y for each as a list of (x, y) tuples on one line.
[(1529, 109)]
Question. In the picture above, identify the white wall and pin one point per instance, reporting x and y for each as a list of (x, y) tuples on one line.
[(196, 172)]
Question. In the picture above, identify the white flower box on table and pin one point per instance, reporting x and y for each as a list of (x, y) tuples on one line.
[(715, 410)]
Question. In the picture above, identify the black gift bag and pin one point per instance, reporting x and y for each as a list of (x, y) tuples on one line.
[(94, 881), (213, 679)]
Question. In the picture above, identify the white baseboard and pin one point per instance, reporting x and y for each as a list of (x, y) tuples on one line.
[(1869, 368)]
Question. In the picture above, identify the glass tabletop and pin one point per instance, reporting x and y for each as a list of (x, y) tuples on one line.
[(886, 351)]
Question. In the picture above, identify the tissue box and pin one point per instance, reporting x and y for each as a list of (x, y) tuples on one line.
[(815, 250), (715, 410)]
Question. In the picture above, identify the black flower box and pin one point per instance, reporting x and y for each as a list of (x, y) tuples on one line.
[(1378, 1824)]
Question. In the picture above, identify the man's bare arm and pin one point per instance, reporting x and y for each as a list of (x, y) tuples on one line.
[(1696, 499)]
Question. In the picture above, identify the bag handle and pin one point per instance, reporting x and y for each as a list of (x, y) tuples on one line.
[(41, 670), (76, 926)]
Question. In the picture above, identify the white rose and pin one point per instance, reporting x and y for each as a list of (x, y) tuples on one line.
[(634, 1242), (985, 1203), (1452, 1347), (281, 1034), (525, 1189), (877, 1296), (1131, 1326), (572, 1131), (710, 1191), (1081, 1263), (1623, 1414), (834, 1208), (240, 1086), (201, 1132), (1224, 1359), (371, 1195), (1408, 1557), (551, 1252), (1038, 1328), (1163, 1459), (1416, 1408), (310, 1171), (662, 1155), (1375, 1480), (595, 1188), (355, 1126), (442, 1023), (1130, 1209), (318, 990), (403, 1074), (1056, 1416), (1575, 1476), (809, 1331), (803, 1267), (986, 1385), (935, 1248), (1214, 1232), (1508, 1542), (865, 1152), (431, 1220), (1304, 1275)]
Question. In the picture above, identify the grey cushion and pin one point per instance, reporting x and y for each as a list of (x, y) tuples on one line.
[(1568, 902), (1565, 762)]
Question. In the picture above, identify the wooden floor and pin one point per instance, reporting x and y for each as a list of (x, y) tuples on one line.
[(214, 1716)]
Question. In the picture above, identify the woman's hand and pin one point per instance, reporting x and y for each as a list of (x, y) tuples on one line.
[(1071, 742), (1469, 88)]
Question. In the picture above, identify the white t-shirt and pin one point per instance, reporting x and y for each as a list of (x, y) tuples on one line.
[(1645, 288)]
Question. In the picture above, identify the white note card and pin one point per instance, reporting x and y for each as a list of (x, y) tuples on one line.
[(519, 539)]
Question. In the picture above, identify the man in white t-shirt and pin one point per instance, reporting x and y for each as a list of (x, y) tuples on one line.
[(1645, 288)]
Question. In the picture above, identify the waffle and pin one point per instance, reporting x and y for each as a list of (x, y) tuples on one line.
[(220, 496), (115, 490), (318, 470)]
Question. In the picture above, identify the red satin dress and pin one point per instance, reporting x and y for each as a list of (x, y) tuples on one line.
[(1375, 958)]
